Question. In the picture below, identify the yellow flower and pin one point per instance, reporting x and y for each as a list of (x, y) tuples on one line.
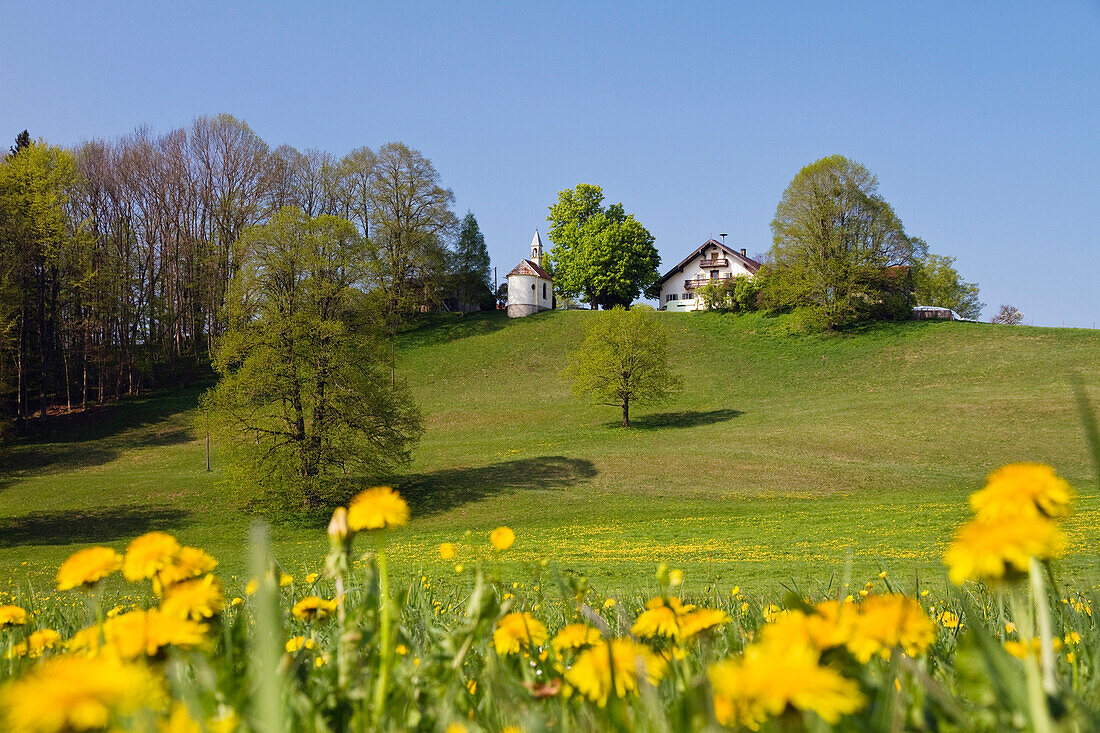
[(616, 663), (764, 683), (518, 630), (190, 563), (12, 616), (949, 620), (140, 633), (676, 578), (36, 643), (197, 599), (312, 608), (890, 621), (401, 650), (251, 587), (456, 728), (311, 578), (998, 550), (1022, 488), (377, 508), (285, 579), (148, 553), (295, 643), (702, 620), (180, 721), (88, 566), (771, 612), (609, 603), (574, 636), (73, 693), (446, 551), (661, 618), (502, 538)]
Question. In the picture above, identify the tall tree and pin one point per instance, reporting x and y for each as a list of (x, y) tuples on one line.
[(303, 389), (834, 242), (599, 253), (623, 360), (1008, 315), (471, 265), (937, 282)]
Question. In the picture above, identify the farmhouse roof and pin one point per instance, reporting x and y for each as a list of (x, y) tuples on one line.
[(528, 267), (750, 264)]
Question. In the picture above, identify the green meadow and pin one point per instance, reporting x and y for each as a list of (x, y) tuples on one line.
[(787, 460)]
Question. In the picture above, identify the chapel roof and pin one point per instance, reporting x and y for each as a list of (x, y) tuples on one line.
[(529, 267)]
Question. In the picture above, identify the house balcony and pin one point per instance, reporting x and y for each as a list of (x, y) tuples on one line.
[(699, 282), (716, 262)]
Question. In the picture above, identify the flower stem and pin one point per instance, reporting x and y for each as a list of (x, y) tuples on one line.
[(386, 648)]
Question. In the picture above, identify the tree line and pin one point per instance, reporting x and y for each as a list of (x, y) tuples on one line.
[(116, 256)]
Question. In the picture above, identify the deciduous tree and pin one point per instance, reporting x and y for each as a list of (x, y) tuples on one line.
[(623, 360), (937, 282), (1008, 315), (601, 254)]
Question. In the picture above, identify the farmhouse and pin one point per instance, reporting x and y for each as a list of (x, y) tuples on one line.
[(530, 288), (710, 262)]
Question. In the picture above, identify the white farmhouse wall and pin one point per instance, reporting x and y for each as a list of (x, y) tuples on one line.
[(698, 271)]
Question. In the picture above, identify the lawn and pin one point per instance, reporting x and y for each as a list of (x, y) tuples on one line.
[(787, 459)]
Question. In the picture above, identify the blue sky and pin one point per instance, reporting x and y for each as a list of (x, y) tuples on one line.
[(981, 120)]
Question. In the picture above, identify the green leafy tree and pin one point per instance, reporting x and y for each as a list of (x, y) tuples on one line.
[(838, 246), (937, 282), (601, 254), (471, 265), (623, 360), (304, 394)]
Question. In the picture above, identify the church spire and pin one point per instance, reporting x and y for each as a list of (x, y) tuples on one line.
[(536, 249)]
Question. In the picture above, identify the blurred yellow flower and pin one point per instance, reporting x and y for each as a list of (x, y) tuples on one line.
[(87, 567), (661, 618), (295, 643), (38, 642), (574, 636), (949, 619), (993, 551), (701, 620), (502, 538), (379, 507), (613, 667), (771, 612), (446, 551), (517, 631), (12, 616), (148, 553), (197, 599), (609, 603), (676, 578), (763, 683), (1022, 488), (311, 578), (312, 608), (190, 563), (76, 693), (138, 633), (891, 621)]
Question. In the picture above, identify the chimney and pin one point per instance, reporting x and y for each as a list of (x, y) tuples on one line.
[(743, 252)]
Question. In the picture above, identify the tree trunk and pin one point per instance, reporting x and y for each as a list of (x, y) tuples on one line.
[(626, 412)]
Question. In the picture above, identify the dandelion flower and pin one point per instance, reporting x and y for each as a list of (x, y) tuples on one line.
[(700, 620), (190, 563), (574, 636), (295, 643), (197, 599), (12, 616), (517, 631), (377, 508), (891, 621), (661, 618), (446, 551), (36, 644), (148, 554), (312, 608), (613, 668), (998, 550), (71, 693), (949, 619), (138, 633), (87, 567), (502, 538), (1022, 488)]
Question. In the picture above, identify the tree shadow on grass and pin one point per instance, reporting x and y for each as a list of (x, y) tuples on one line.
[(436, 491), (682, 419), (98, 525), (440, 491)]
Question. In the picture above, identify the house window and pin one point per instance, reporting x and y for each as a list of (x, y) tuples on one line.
[(670, 296), (714, 274), (687, 296), (532, 286)]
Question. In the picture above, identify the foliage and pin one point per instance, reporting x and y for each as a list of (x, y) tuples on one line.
[(343, 649), (302, 392), (470, 270), (599, 253), (937, 282), (624, 359), (734, 295), (1008, 315), (838, 246)]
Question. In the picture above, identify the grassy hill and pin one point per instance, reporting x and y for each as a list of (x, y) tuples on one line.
[(787, 458)]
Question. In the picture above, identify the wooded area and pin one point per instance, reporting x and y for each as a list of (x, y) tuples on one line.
[(115, 256)]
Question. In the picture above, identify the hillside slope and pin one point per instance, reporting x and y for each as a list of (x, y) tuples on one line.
[(786, 457)]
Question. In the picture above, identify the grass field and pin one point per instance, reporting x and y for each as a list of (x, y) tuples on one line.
[(786, 459)]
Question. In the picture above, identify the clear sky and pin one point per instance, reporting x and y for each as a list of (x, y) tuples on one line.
[(981, 119)]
